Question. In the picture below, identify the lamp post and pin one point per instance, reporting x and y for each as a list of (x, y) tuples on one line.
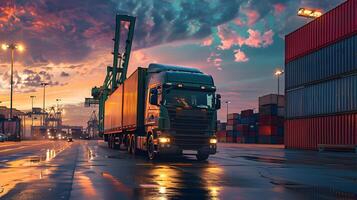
[(227, 102), (58, 100), (309, 13), (278, 73), (44, 102), (12, 48), (32, 97)]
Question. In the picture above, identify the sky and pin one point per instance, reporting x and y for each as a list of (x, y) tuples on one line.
[(68, 44)]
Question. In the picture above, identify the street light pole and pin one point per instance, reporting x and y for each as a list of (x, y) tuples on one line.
[(12, 48), (278, 73), (32, 97), (227, 102), (44, 103)]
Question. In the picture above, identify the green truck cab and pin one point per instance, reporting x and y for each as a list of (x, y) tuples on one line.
[(164, 110)]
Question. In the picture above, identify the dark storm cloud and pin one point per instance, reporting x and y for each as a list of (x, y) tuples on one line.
[(67, 30)]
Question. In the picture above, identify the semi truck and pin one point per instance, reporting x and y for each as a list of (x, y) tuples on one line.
[(163, 110)]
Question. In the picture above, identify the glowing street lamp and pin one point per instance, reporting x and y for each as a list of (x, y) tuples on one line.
[(278, 73), (309, 13), (12, 47)]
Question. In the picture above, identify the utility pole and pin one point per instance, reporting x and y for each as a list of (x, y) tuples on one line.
[(278, 73), (32, 97), (12, 48), (44, 103), (227, 102)]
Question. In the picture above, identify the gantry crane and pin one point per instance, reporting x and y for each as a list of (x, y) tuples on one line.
[(116, 74)]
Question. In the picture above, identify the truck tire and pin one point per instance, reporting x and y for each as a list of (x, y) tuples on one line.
[(129, 144), (133, 145), (152, 155), (202, 156)]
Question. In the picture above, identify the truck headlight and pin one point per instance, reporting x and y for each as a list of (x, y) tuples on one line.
[(164, 140), (213, 141)]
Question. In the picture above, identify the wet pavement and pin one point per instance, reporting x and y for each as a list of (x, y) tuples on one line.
[(89, 170)]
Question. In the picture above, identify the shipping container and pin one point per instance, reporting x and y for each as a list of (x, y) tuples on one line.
[(334, 60), (270, 139), (335, 96), (247, 113), (268, 130), (272, 99), (271, 120), (271, 109), (233, 116), (337, 24), (308, 133), (127, 100)]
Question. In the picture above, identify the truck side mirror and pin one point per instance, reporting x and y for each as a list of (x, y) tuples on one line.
[(218, 101), (153, 96)]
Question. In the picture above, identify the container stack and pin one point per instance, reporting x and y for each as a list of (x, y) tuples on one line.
[(221, 131), (233, 121), (271, 119), (247, 129), (321, 81)]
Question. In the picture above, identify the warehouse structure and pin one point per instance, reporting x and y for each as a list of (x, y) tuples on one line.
[(321, 81)]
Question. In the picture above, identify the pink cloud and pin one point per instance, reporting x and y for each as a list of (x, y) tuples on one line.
[(238, 22), (279, 8), (228, 38), (257, 40), (207, 41), (252, 16), (239, 56)]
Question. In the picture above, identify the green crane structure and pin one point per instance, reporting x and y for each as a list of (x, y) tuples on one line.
[(116, 74)]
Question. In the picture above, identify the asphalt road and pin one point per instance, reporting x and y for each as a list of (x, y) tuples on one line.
[(89, 170)]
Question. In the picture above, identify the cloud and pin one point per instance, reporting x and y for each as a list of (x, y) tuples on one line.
[(207, 41), (228, 37), (257, 40), (252, 16), (239, 56), (64, 74), (279, 8)]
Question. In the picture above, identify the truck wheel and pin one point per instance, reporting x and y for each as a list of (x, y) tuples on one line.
[(129, 144), (133, 145), (151, 148), (202, 156)]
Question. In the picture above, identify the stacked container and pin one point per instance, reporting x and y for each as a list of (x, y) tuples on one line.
[(271, 119), (233, 121), (321, 80), (221, 131), (247, 129)]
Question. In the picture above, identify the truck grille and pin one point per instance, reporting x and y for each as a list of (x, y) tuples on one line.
[(190, 122), (189, 142)]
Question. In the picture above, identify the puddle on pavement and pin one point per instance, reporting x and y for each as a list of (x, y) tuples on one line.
[(264, 159), (28, 169)]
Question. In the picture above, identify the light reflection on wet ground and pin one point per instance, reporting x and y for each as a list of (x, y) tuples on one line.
[(29, 168), (234, 173)]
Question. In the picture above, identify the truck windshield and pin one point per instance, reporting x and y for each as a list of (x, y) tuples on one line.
[(188, 99)]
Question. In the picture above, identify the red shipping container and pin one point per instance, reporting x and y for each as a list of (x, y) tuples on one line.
[(233, 116), (242, 127), (221, 133), (232, 122), (268, 130), (337, 24), (271, 120), (247, 113), (229, 139), (308, 133)]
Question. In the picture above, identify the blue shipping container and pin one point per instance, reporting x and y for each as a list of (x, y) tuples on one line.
[(335, 96), (327, 62), (271, 109)]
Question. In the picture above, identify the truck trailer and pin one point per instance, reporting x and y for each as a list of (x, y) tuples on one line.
[(163, 110)]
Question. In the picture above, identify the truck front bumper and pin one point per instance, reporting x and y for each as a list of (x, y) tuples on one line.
[(172, 149)]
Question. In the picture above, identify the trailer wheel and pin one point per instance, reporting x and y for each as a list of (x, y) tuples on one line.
[(129, 143), (151, 148), (133, 145)]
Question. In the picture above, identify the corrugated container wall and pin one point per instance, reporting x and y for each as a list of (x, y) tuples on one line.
[(330, 97), (321, 80), (338, 58), (336, 24)]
